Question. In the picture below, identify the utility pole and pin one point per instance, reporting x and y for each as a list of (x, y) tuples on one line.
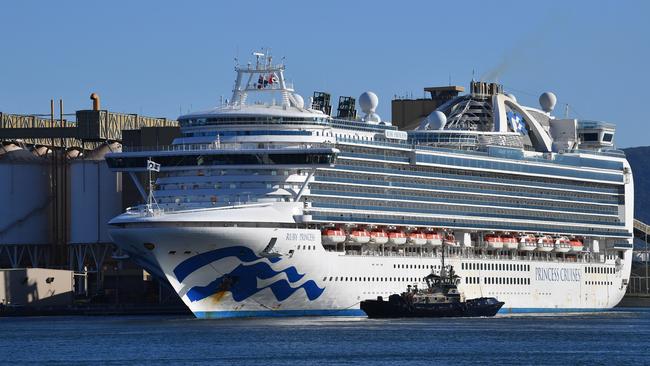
[(647, 254)]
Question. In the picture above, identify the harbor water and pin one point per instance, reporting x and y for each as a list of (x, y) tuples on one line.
[(606, 338)]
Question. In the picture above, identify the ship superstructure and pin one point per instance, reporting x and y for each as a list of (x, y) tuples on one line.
[(270, 206)]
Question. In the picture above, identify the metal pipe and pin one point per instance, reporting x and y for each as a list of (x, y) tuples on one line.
[(96, 104), (61, 111), (51, 112)]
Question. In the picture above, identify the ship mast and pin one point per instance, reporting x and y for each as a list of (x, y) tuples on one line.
[(262, 77)]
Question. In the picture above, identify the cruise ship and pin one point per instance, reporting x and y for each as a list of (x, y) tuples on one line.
[(268, 206)]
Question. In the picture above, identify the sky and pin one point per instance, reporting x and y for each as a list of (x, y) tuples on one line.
[(162, 59)]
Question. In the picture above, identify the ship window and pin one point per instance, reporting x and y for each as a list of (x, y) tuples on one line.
[(607, 137), (324, 278), (590, 137), (336, 278), (330, 278)]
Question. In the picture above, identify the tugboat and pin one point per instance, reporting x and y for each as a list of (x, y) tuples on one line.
[(440, 299)]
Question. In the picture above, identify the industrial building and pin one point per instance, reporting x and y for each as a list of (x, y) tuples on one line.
[(408, 113), (57, 196)]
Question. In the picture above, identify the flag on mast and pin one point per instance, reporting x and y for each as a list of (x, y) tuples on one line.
[(153, 166)]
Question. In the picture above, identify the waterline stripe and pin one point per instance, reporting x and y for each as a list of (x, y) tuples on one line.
[(359, 312)]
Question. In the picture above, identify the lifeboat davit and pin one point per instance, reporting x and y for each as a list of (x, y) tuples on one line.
[(396, 238), (562, 245), (545, 243), (378, 237), (332, 236), (493, 241), (417, 238), (509, 242), (576, 245), (527, 243), (433, 239), (360, 236), (450, 240)]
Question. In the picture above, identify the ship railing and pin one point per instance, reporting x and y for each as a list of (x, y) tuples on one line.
[(616, 153), (411, 146), (474, 149), (219, 146), (469, 254)]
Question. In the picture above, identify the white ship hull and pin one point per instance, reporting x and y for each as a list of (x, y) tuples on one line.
[(307, 280)]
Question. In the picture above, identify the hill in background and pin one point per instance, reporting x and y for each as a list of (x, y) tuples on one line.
[(639, 158)]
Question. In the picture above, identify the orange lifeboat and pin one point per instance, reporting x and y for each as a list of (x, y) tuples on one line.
[(576, 245), (332, 236), (397, 238), (509, 242), (562, 245), (417, 238), (527, 243), (360, 236), (545, 243), (493, 241), (378, 237), (434, 239)]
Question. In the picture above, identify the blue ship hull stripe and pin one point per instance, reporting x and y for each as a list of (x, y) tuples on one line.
[(359, 312)]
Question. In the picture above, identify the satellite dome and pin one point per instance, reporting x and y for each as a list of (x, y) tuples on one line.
[(372, 118), (300, 102), (547, 101), (512, 96), (436, 120), (368, 102)]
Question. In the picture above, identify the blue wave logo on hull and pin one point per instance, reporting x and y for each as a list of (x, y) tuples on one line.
[(242, 281)]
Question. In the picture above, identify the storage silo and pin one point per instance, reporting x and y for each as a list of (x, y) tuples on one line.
[(95, 196), (24, 197)]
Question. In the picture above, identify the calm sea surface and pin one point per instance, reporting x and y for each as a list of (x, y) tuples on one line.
[(608, 338)]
